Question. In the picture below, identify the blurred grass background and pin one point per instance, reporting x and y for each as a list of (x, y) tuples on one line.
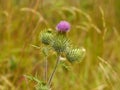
[(95, 25)]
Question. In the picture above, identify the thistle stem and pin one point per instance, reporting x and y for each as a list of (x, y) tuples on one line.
[(52, 75), (45, 67)]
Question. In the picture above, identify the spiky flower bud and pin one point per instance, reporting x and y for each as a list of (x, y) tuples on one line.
[(60, 43), (46, 37), (63, 26), (75, 54)]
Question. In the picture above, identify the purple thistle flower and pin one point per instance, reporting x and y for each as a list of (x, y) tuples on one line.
[(63, 26)]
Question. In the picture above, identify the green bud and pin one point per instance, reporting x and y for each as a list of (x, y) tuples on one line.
[(46, 37), (75, 54), (60, 43)]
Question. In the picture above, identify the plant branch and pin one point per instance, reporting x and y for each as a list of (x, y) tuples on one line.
[(45, 67), (52, 75)]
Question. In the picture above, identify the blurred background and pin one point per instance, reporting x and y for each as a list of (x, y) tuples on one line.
[(95, 26)]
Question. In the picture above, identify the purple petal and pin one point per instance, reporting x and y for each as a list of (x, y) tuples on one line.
[(63, 26)]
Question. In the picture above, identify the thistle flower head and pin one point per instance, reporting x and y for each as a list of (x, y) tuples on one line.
[(75, 54), (60, 43), (63, 26), (46, 37)]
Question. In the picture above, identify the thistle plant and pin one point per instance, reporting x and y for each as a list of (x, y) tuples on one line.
[(59, 43)]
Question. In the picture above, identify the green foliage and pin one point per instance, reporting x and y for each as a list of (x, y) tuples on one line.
[(13, 64), (40, 84)]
